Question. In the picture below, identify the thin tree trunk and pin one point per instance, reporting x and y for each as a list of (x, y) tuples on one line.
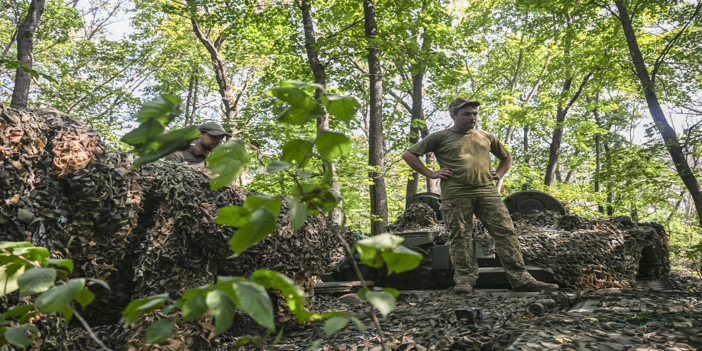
[(610, 185), (598, 154), (417, 126), (562, 110), (432, 186), (654, 107), (220, 69), (320, 77), (191, 118), (25, 46), (191, 83), (376, 152)]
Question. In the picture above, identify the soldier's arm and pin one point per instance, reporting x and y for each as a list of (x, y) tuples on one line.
[(416, 164), (502, 168)]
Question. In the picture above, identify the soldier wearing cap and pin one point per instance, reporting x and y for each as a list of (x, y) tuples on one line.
[(211, 135), (467, 188)]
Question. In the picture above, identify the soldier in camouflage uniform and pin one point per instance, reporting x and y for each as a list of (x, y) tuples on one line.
[(211, 135), (467, 188)]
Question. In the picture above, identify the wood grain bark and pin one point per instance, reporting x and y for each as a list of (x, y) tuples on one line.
[(376, 152), (654, 107), (320, 77), (25, 46)]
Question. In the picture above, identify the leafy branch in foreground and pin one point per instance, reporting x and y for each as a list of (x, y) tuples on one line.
[(29, 269), (255, 219)]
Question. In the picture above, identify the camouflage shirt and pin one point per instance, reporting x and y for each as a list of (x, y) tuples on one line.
[(468, 157), (190, 156)]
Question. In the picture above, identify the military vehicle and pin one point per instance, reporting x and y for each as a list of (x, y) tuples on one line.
[(436, 270)]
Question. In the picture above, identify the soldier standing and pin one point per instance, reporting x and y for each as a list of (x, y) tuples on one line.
[(467, 188)]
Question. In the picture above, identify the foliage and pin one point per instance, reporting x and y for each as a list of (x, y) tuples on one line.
[(256, 217), (29, 269)]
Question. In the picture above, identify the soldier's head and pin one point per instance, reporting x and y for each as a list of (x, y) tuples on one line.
[(464, 113), (211, 135)]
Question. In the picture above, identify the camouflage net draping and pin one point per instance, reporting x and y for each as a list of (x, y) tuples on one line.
[(581, 253), (144, 231)]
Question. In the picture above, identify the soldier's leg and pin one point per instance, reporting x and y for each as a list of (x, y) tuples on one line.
[(493, 213), (458, 215)]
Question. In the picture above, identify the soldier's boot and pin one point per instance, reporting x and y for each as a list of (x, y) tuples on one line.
[(463, 289), (536, 286)]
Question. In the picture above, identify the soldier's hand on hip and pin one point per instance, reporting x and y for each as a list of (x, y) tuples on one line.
[(495, 175), (443, 173)]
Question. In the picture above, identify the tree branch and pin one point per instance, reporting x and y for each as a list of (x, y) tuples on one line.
[(670, 44)]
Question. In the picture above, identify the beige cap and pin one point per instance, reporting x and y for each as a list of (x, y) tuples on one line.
[(214, 129)]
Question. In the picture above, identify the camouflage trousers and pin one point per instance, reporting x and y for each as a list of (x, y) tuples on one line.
[(492, 212)]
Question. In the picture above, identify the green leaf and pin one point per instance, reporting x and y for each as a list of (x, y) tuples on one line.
[(58, 297), (67, 313), (159, 331), (383, 301), (223, 308), (141, 134), (85, 297), (298, 212), (233, 216), (18, 311), (138, 307), (161, 106), (166, 310), (254, 339), (14, 244), (68, 264), (261, 223), (101, 283), (227, 161), (401, 259), (294, 295), (370, 249), (164, 144), (342, 107), (25, 318), (359, 325), (295, 151), (18, 336), (254, 300), (9, 273), (334, 324), (315, 345), (332, 145), (194, 307), (36, 280), (277, 166)]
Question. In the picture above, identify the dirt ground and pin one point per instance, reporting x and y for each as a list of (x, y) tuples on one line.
[(670, 318)]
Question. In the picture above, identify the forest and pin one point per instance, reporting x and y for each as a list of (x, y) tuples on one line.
[(598, 102)]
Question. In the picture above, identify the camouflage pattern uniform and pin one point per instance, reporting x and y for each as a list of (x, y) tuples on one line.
[(492, 212)]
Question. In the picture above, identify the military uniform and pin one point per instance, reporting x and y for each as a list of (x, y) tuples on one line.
[(190, 156), (471, 190)]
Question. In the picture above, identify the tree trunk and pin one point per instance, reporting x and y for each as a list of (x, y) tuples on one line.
[(191, 83), (376, 152), (25, 46), (220, 70), (654, 107), (320, 77), (432, 186), (598, 154), (417, 125)]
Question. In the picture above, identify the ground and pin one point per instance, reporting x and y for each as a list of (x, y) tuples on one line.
[(670, 319)]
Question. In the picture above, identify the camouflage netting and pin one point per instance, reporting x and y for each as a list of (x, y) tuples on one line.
[(590, 254), (581, 253), (144, 231), (417, 216)]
